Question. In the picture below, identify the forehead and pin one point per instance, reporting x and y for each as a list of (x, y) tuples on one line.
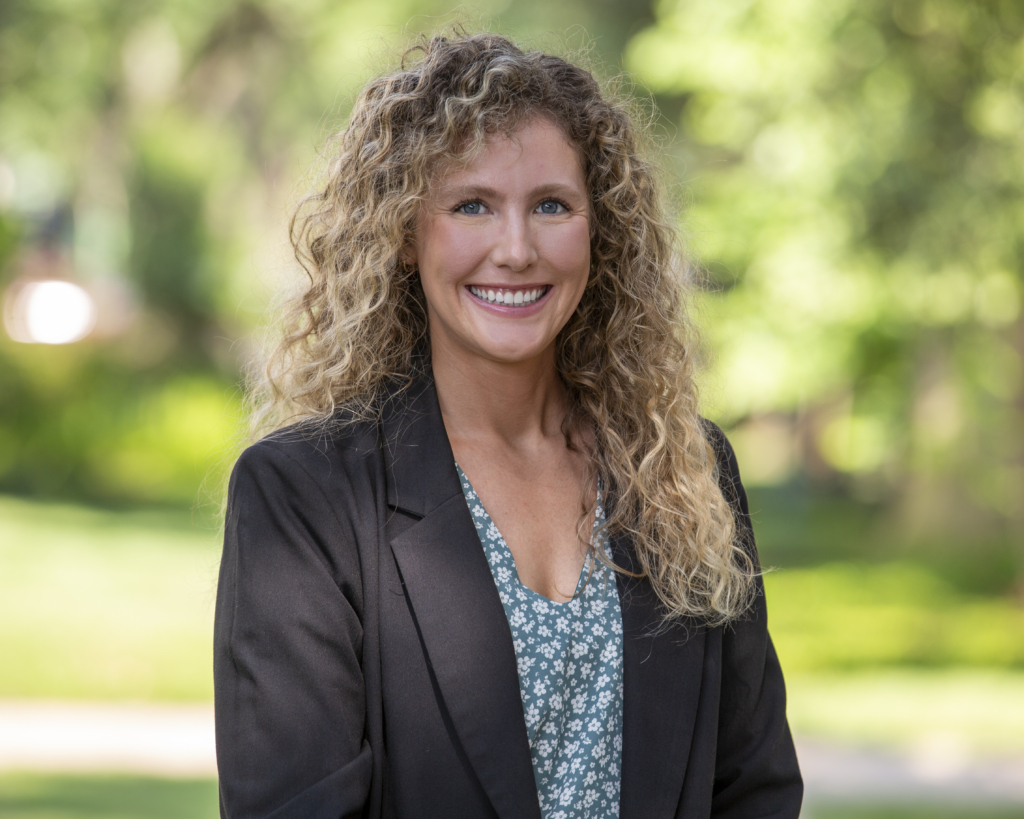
[(536, 148)]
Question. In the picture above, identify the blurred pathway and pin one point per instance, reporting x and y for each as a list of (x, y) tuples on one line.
[(939, 772), (166, 740), (177, 740)]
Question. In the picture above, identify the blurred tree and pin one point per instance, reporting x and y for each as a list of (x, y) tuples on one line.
[(168, 254), (154, 150), (857, 171)]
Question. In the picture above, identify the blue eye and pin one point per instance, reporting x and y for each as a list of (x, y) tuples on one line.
[(551, 206), (471, 208)]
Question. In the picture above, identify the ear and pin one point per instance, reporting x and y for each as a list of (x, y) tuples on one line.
[(407, 255)]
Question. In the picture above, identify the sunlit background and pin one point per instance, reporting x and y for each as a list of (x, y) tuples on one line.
[(851, 181)]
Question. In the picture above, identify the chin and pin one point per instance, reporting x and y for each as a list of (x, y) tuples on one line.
[(512, 352)]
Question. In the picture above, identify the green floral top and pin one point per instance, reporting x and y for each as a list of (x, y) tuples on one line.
[(570, 677)]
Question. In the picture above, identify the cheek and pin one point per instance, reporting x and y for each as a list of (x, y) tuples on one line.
[(569, 253), (447, 255)]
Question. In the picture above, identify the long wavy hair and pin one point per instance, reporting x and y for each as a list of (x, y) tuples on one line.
[(625, 357)]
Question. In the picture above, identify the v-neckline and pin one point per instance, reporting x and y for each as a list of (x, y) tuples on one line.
[(581, 581)]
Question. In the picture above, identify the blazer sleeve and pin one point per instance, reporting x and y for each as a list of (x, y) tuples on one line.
[(289, 688), (756, 770)]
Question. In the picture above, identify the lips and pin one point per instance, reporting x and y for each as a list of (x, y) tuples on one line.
[(509, 296)]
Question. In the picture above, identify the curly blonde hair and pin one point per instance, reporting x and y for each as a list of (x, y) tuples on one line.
[(625, 357)]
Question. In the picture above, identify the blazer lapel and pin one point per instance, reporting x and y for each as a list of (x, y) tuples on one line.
[(455, 602), (662, 670)]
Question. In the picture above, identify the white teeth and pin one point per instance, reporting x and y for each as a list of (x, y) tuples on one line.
[(518, 298)]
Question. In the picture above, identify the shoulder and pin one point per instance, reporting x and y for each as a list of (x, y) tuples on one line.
[(725, 456), (317, 449), (729, 481), (327, 466), (304, 499)]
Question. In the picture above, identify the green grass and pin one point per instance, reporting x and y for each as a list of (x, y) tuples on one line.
[(888, 811), (104, 605), (48, 796), (848, 615), (973, 711)]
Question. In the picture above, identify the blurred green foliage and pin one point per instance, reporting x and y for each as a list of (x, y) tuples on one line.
[(857, 174), (152, 152), (854, 174)]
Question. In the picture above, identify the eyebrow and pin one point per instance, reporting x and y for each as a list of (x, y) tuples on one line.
[(487, 192)]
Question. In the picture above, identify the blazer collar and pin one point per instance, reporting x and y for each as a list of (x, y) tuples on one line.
[(455, 602), (419, 461)]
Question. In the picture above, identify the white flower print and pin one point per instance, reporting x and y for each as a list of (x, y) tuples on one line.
[(569, 659)]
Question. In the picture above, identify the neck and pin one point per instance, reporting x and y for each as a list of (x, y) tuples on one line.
[(514, 404)]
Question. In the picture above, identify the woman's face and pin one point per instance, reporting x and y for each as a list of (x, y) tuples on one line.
[(503, 247)]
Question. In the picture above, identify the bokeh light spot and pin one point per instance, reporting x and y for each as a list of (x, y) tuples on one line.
[(50, 312)]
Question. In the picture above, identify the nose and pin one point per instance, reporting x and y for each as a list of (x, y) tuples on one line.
[(514, 247)]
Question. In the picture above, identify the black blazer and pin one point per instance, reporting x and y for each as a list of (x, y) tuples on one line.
[(364, 666)]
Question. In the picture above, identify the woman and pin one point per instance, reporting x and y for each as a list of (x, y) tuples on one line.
[(497, 565)]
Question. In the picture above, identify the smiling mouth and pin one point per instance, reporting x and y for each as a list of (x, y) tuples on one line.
[(509, 297)]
